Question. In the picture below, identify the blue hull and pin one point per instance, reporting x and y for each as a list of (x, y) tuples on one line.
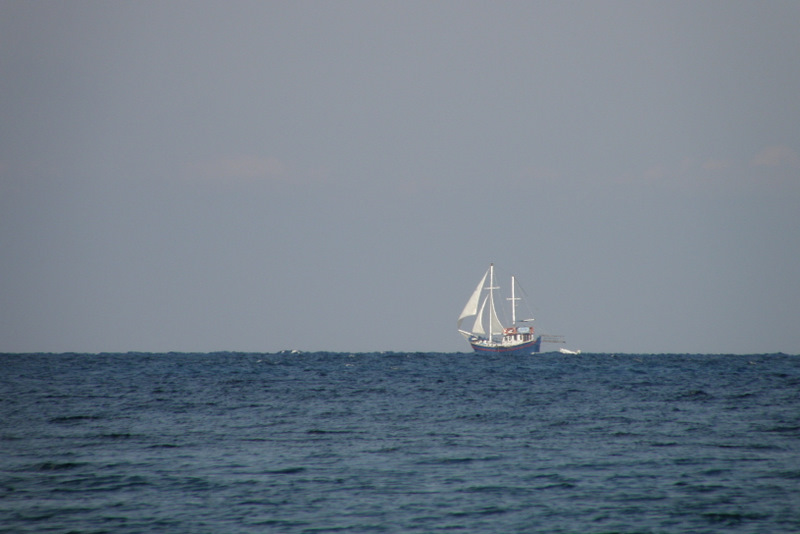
[(514, 350)]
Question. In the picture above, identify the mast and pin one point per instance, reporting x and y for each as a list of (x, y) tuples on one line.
[(491, 298), (513, 300), (492, 312)]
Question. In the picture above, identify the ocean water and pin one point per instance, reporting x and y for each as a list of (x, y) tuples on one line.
[(395, 442)]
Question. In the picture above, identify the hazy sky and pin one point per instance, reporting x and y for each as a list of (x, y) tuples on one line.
[(258, 176)]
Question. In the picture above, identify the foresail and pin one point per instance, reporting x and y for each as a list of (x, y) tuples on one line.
[(472, 304), (477, 328)]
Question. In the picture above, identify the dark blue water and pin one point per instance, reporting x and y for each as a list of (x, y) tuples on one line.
[(210, 443)]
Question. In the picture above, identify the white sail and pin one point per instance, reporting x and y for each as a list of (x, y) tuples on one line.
[(477, 328), (472, 304), (496, 326)]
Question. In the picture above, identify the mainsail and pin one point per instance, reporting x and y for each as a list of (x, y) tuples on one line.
[(495, 326)]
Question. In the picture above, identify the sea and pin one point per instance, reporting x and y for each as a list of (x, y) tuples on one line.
[(399, 442)]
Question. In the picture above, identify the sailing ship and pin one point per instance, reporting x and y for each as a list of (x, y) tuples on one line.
[(517, 338)]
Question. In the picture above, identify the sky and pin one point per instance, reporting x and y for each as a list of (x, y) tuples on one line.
[(261, 176)]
